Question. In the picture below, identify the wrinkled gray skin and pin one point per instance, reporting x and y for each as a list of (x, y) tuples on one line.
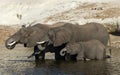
[(92, 49), (29, 35), (69, 33)]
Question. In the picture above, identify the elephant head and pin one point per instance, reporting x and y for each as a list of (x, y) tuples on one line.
[(15, 38), (27, 36), (57, 36)]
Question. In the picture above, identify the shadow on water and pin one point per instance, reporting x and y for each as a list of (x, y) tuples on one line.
[(51, 67), (69, 68)]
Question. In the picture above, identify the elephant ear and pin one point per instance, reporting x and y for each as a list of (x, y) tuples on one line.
[(51, 35), (31, 40), (61, 37)]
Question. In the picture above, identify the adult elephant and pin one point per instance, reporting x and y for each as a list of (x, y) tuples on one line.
[(69, 33), (28, 36)]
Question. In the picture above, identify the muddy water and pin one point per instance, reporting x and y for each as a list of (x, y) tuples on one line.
[(15, 62)]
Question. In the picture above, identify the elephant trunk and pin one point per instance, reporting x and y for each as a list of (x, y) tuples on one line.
[(10, 43), (63, 52)]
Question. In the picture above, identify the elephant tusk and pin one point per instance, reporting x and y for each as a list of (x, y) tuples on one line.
[(40, 42), (10, 44), (62, 52)]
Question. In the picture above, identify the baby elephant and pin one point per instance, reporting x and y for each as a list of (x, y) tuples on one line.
[(92, 49)]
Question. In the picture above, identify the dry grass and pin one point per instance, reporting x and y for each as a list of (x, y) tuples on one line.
[(5, 32), (109, 13), (87, 11)]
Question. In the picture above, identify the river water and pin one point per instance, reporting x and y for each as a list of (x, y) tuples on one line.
[(15, 62)]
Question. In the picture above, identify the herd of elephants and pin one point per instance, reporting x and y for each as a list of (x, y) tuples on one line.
[(68, 41)]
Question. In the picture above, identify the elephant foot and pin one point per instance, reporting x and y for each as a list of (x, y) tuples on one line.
[(81, 59), (39, 58), (67, 57)]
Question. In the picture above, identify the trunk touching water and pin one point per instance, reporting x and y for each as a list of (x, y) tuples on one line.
[(10, 43)]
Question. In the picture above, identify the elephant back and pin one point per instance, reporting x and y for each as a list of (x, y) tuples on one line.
[(91, 31)]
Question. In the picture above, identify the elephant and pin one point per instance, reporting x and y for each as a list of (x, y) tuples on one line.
[(28, 36), (70, 33), (22, 35), (57, 36), (92, 49)]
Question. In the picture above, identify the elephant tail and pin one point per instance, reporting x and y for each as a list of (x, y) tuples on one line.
[(110, 50), (107, 56)]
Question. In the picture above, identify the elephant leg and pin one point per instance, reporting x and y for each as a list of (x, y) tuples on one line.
[(67, 57), (57, 51), (99, 56), (39, 55), (80, 56), (58, 56)]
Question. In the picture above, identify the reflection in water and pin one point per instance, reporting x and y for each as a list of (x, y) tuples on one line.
[(59, 68), (50, 67)]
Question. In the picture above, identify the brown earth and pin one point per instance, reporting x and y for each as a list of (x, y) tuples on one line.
[(6, 31)]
